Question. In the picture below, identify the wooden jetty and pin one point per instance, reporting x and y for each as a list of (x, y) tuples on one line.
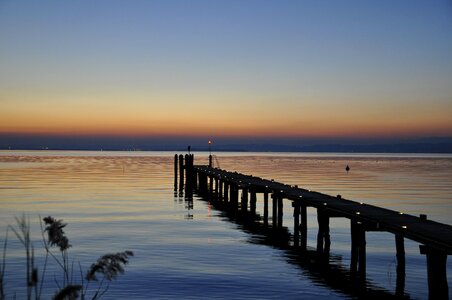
[(435, 238)]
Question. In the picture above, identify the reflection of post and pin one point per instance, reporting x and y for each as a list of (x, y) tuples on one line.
[(400, 248)]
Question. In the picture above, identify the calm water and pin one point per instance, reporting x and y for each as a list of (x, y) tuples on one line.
[(115, 201)]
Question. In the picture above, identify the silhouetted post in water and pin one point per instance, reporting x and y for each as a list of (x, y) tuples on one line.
[(210, 183), (210, 160), (303, 227), (216, 188), (280, 211), (226, 192), (175, 172), (358, 255), (275, 210), (400, 248), (235, 196), (220, 189), (436, 273), (253, 200), (296, 223), (266, 208), (323, 235), (187, 173), (244, 204), (181, 172)]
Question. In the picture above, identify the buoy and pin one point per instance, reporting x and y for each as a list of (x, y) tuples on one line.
[(347, 168)]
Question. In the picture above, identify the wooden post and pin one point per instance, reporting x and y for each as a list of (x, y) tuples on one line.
[(210, 184), (253, 201), (296, 224), (303, 227), (266, 209), (220, 189), (244, 204), (400, 254), (216, 188), (234, 196), (275, 210), (226, 192), (436, 273), (358, 255), (323, 236), (175, 171), (181, 172), (280, 211), (210, 161)]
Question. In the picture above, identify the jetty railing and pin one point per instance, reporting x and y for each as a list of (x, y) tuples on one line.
[(435, 238)]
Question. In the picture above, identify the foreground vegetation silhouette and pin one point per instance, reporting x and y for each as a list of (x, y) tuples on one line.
[(101, 272)]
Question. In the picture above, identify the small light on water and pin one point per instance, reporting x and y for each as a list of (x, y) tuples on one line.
[(358, 213), (400, 213), (404, 227), (324, 203)]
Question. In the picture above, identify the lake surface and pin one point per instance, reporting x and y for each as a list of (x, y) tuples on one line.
[(116, 201)]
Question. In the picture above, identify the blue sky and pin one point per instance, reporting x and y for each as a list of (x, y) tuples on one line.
[(302, 69)]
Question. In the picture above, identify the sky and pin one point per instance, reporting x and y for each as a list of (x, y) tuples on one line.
[(243, 70)]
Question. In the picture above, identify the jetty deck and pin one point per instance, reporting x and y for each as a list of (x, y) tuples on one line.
[(435, 235), (435, 238)]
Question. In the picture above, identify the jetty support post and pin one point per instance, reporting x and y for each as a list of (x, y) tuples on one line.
[(226, 192), (210, 160), (303, 226), (253, 200), (216, 188), (358, 253), (436, 272), (181, 172), (175, 172), (211, 183), (400, 255), (266, 209), (234, 196), (280, 211), (244, 202), (296, 224), (275, 209), (323, 235), (220, 189)]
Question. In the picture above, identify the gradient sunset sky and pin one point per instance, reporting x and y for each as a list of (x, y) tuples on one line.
[(288, 69)]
